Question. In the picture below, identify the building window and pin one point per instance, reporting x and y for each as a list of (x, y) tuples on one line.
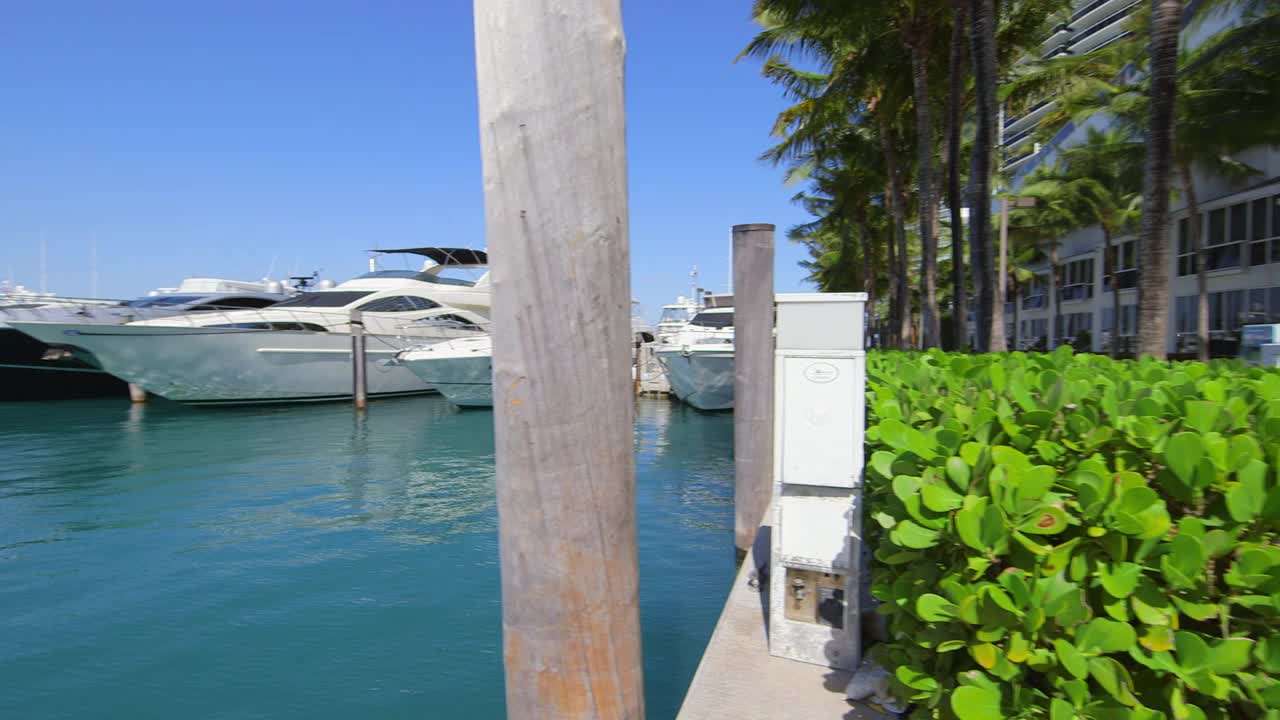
[(1186, 312), (1226, 311), (1187, 258), (1258, 232), (1128, 319), (1072, 326), (1222, 251), (1077, 280), (1275, 229), (1037, 290), (1256, 310), (1124, 264)]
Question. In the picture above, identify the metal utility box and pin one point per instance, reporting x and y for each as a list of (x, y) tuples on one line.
[(819, 419)]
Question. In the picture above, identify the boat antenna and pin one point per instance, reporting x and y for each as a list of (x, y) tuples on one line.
[(271, 269), (693, 284)]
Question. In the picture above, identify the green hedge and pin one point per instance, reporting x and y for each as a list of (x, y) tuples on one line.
[(1068, 536)]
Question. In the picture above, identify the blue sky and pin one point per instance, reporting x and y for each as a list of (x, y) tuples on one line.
[(203, 138)]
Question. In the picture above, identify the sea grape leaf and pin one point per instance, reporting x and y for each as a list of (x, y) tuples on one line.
[(910, 535), (1119, 579), (972, 702), (1182, 454), (1246, 498), (1101, 636), (935, 608), (940, 498), (1045, 520)]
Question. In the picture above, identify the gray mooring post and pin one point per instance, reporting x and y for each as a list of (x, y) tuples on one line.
[(752, 380), (552, 136), (137, 393), (359, 381)]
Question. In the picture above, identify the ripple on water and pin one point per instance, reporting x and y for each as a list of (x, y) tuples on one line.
[(164, 561)]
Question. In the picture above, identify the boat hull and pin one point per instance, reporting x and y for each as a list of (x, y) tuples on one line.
[(26, 374), (216, 366), (465, 380), (703, 379)]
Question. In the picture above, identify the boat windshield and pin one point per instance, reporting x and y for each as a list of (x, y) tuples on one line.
[(713, 320), (419, 276), (676, 314), (330, 298), (163, 300)]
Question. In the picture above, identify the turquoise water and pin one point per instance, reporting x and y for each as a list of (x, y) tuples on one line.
[(303, 562)]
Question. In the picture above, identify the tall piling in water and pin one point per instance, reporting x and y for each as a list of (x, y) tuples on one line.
[(752, 379), (552, 135), (359, 379)]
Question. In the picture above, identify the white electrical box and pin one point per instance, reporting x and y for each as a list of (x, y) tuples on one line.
[(819, 422)]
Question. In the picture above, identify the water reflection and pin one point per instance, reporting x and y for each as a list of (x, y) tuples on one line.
[(318, 562)]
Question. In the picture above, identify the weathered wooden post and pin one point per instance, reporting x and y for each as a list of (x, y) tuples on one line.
[(359, 382), (137, 394), (552, 135), (752, 380)]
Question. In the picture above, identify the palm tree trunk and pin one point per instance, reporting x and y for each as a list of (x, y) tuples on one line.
[(902, 320), (959, 318), (1016, 289), (907, 329), (890, 336), (1153, 242), (983, 47), (930, 322), (1109, 269), (1055, 327), (1202, 281), (868, 271)]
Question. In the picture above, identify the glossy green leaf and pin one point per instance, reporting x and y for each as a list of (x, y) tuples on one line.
[(1182, 454), (910, 535), (940, 498), (1100, 636), (977, 703), (1246, 498), (935, 608), (1119, 579)]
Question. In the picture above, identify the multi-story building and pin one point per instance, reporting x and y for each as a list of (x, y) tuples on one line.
[(1092, 24), (1239, 221)]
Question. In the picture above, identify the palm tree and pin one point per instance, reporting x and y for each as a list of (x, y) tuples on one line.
[(954, 120), (982, 18), (1153, 242), (1095, 183)]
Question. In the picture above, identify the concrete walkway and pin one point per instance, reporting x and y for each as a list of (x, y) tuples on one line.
[(739, 680)]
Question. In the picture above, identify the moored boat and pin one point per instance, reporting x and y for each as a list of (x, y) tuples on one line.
[(298, 350)]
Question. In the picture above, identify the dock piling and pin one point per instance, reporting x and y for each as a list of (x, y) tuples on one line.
[(359, 381), (752, 380), (553, 141), (137, 394)]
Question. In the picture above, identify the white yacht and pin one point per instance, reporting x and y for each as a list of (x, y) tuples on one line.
[(698, 359), (462, 369), (675, 316), (32, 370), (298, 350)]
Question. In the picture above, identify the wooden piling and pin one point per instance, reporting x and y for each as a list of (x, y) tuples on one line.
[(752, 380), (137, 394), (359, 380), (552, 135)]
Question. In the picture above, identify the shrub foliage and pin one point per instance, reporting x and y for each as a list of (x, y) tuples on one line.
[(1068, 536)]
